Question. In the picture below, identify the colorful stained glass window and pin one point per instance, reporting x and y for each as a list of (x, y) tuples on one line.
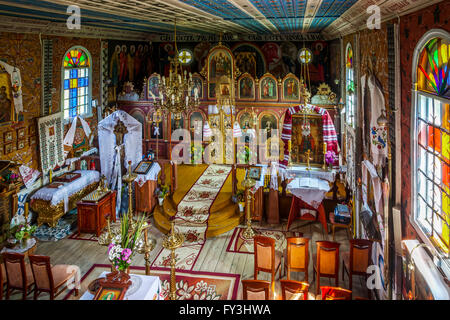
[(433, 143), (350, 85), (76, 83), (433, 72)]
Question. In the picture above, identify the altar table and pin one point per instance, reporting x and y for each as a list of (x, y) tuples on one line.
[(52, 203), (143, 288), (308, 193)]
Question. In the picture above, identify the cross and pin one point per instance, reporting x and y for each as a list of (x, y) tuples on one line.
[(119, 131)]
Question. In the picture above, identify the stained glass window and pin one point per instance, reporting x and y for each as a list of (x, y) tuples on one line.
[(185, 56), (305, 55), (350, 87), (432, 212), (76, 83), (434, 68)]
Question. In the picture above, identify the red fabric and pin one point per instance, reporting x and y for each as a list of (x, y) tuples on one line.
[(298, 204), (329, 132)]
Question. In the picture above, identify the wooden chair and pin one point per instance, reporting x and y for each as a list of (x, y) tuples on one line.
[(255, 290), (296, 256), (335, 293), (18, 274), (326, 262), (357, 260), (290, 290), (335, 225), (50, 279), (266, 258)]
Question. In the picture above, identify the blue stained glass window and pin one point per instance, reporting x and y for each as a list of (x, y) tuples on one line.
[(76, 98)]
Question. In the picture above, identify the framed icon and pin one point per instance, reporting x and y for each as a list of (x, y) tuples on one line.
[(143, 167), (21, 133), (31, 130), (254, 173), (111, 292), (21, 144), (8, 136), (8, 148)]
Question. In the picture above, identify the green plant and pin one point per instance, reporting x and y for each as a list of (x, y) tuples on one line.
[(240, 195), (23, 231), (163, 191)]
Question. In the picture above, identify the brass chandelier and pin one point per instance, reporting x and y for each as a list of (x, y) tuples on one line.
[(176, 92)]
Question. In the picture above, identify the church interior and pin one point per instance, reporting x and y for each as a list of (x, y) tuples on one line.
[(225, 150)]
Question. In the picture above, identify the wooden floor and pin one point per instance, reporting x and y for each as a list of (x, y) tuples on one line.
[(213, 257)]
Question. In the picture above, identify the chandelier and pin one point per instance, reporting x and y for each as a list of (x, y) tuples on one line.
[(177, 93)]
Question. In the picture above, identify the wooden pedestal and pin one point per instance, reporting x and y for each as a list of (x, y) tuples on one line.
[(145, 196), (92, 215), (258, 205)]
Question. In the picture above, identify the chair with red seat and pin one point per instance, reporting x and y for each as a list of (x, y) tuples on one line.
[(294, 290), (19, 275), (50, 278), (335, 293), (296, 256), (267, 259), (255, 290), (326, 262), (357, 260)]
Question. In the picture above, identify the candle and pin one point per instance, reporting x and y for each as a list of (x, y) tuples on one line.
[(26, 211), (50, 174), (324, 148)]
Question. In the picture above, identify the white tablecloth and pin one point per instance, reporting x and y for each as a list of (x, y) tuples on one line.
[(152, 174), (310, 190), (56, 195), (260, 182), (301, 172), (143, 288)]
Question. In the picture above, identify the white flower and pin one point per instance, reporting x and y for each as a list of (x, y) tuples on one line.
[(184, 292), (201, 286)]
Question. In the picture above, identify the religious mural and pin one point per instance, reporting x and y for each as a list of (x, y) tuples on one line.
[(291, 88), (129, 61), (268, 88), (246, 86)]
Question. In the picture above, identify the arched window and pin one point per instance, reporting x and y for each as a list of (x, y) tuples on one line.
[(76, 83), (349, 87), (431, 139)]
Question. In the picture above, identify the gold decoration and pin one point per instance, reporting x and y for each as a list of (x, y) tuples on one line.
[(248, 184), (172, 242)]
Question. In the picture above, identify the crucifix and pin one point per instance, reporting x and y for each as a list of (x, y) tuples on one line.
[(119, 131), (308, 158)]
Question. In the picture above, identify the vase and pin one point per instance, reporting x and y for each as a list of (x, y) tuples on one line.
[(241, 207), (161, 201)]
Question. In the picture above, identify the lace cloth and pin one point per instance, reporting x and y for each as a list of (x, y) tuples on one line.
[(56, 195)]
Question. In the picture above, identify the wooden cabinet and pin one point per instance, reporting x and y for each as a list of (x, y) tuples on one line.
[(92, 215), (258, 208), (145, 196)]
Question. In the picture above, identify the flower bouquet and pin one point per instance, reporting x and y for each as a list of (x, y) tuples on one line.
[(196, 153), (330, 158), (162, 192), (22, 233), (122, 247)]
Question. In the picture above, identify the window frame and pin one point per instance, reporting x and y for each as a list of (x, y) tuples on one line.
[(444, 260), (348, 96), (89, 112)]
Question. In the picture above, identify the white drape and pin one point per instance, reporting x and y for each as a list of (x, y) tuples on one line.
[(110, 153)]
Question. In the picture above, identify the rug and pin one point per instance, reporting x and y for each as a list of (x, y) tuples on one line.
[(191, 285), (192, 217), (238, 244), (83, 236), (66, 225)]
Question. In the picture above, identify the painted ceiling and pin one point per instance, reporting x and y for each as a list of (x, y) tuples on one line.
[(199, 17)]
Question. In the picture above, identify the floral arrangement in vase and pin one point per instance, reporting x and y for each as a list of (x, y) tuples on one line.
[(162, 192), (244, 154), (23, 232), (122, 247), (330, 158)]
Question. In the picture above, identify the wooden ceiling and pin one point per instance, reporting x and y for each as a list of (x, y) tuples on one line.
[(140, 19)]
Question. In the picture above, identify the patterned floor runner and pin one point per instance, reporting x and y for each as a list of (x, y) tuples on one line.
[(191, 285), (239, 244), (65, 226), (192, 217)]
